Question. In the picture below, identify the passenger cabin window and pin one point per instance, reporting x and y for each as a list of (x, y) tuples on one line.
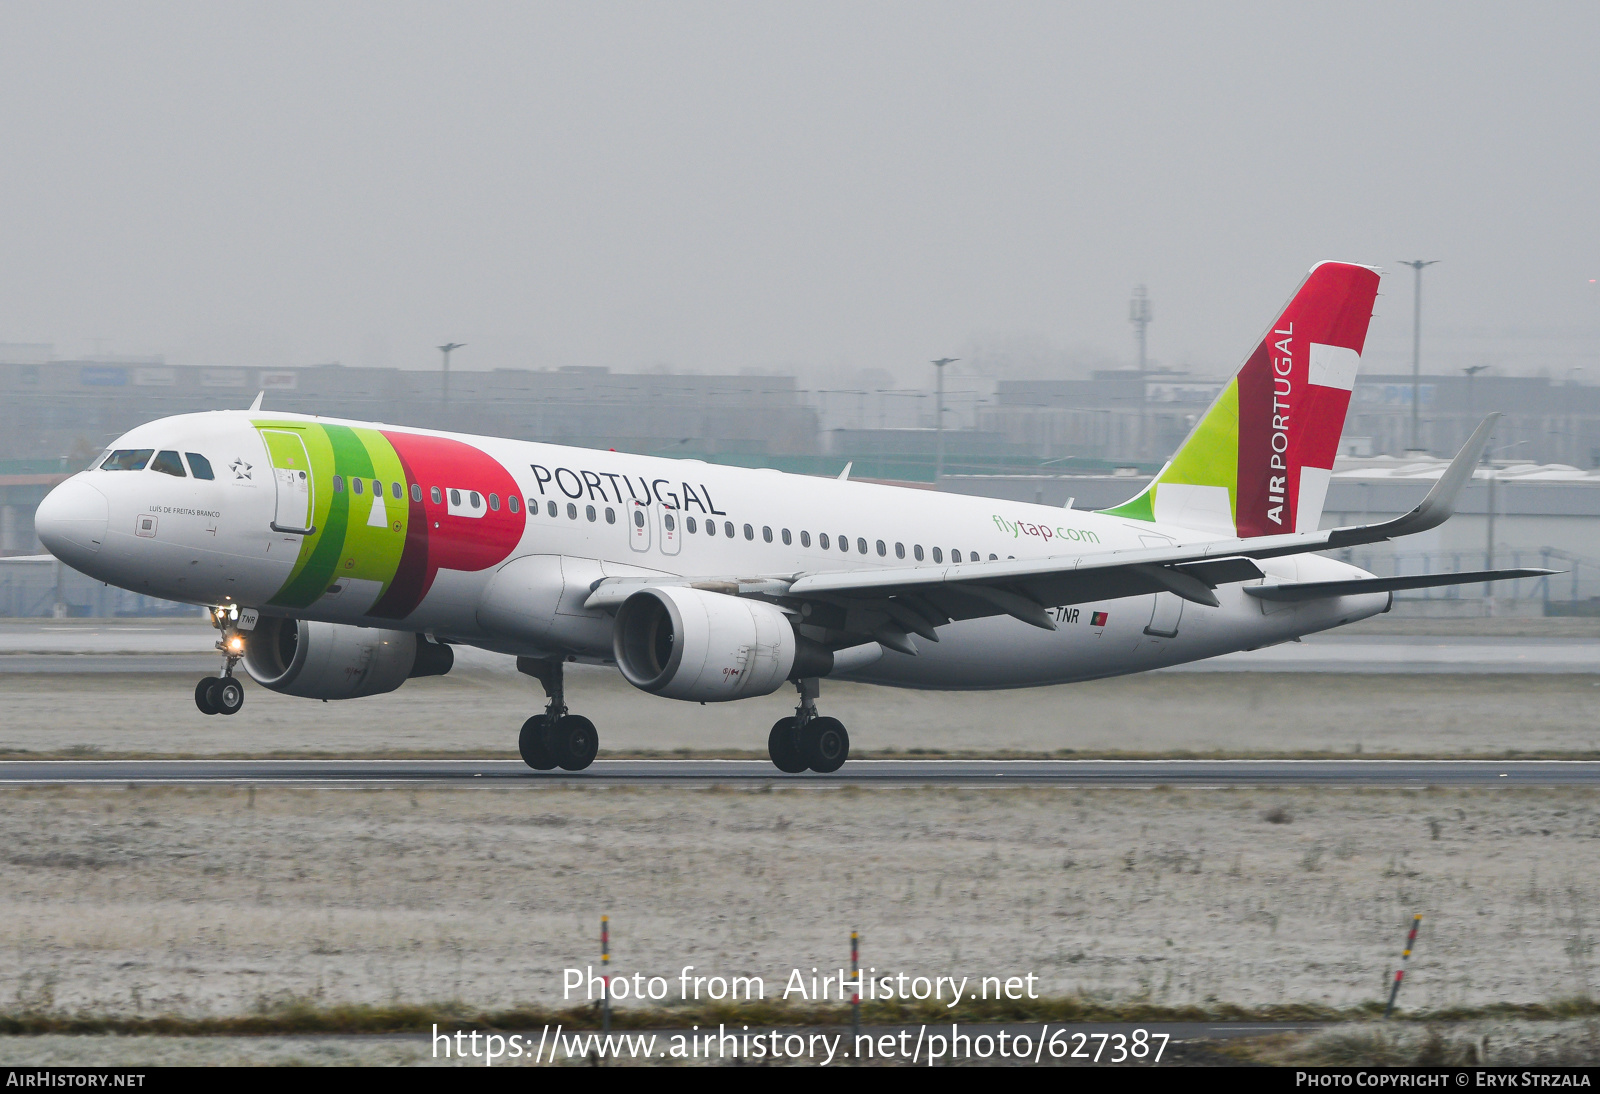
[(749, 532), (338, 485), (435, 494), (766, 533), (474, 498), (588, 511), (199, 466), (416, 492), (128, 459), (395, 489), (494, 503), (844, 543), (727, 528), (916, 552), (711, 527), (688, 522), (572, 511), (882, 550), (638, 518), (955, 556), (550, 507), (513, 504), (455, 498), (899, 550), (822, 540), (788, 540), (666, 519), (805, 539), (355, 484), (168, 463), (938, 555), (611, 515)]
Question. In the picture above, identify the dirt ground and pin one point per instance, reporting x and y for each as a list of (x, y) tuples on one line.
[(479, 712), (213, 900), (1499, 1043)]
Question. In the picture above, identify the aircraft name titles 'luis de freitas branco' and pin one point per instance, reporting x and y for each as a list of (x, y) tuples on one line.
[(341, 558)]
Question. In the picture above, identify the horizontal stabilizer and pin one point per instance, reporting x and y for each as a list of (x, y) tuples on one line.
[(1322, 590)]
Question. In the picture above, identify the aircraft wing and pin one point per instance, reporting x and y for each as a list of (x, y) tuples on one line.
[(889, 604)]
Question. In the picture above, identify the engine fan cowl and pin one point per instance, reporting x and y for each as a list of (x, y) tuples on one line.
[(334, 661), (701, 646)]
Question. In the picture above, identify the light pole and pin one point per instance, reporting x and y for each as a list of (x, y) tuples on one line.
[(445, 349), (938, 422), (1416, 346), (1139, 316), (1471, 371)]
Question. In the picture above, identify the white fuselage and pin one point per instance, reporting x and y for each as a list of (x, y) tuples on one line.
[(213, 542)]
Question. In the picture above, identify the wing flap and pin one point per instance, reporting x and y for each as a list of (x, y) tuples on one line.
[(1320, 590)]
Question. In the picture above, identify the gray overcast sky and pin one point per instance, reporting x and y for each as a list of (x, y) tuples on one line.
[(717, 186)]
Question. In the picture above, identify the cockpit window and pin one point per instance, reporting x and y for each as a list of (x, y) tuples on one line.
[(167, 463), (128, 459), (199, 466)]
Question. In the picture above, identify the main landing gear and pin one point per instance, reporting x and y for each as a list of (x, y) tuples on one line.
[(808, 742), (223, 694), (555, 738)]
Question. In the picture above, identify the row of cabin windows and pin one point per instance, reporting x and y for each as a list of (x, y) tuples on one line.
[(692, 526), (470, 498), (166, 461)]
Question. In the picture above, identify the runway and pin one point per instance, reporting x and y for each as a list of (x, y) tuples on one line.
[(865, 773), (106, 646)]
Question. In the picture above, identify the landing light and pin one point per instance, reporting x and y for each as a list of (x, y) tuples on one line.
[(236, 644)]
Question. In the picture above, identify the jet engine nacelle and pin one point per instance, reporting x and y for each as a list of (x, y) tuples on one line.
[(702, 646), (334, 661)]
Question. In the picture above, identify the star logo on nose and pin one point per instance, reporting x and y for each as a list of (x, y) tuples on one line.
[(240, 469)]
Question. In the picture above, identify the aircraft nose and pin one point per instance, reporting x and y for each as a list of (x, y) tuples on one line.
[(71, 521)]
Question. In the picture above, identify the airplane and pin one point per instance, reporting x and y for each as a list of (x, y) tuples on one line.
[(339, 559)]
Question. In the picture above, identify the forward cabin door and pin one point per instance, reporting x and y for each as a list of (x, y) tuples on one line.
[(291, 474)]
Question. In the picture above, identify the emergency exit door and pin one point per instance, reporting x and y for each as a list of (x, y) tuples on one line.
[(639, 525)]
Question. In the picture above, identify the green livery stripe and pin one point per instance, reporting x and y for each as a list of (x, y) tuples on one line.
[(319, 555), (376, 532), (1139, 507), (1209, 457), (356, 535)]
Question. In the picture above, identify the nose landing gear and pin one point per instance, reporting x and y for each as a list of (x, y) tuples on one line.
[(808, 741), (555, 738), (223, 694)]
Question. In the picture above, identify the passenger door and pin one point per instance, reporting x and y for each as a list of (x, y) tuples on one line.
[(1164, 616), (291, 474)]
